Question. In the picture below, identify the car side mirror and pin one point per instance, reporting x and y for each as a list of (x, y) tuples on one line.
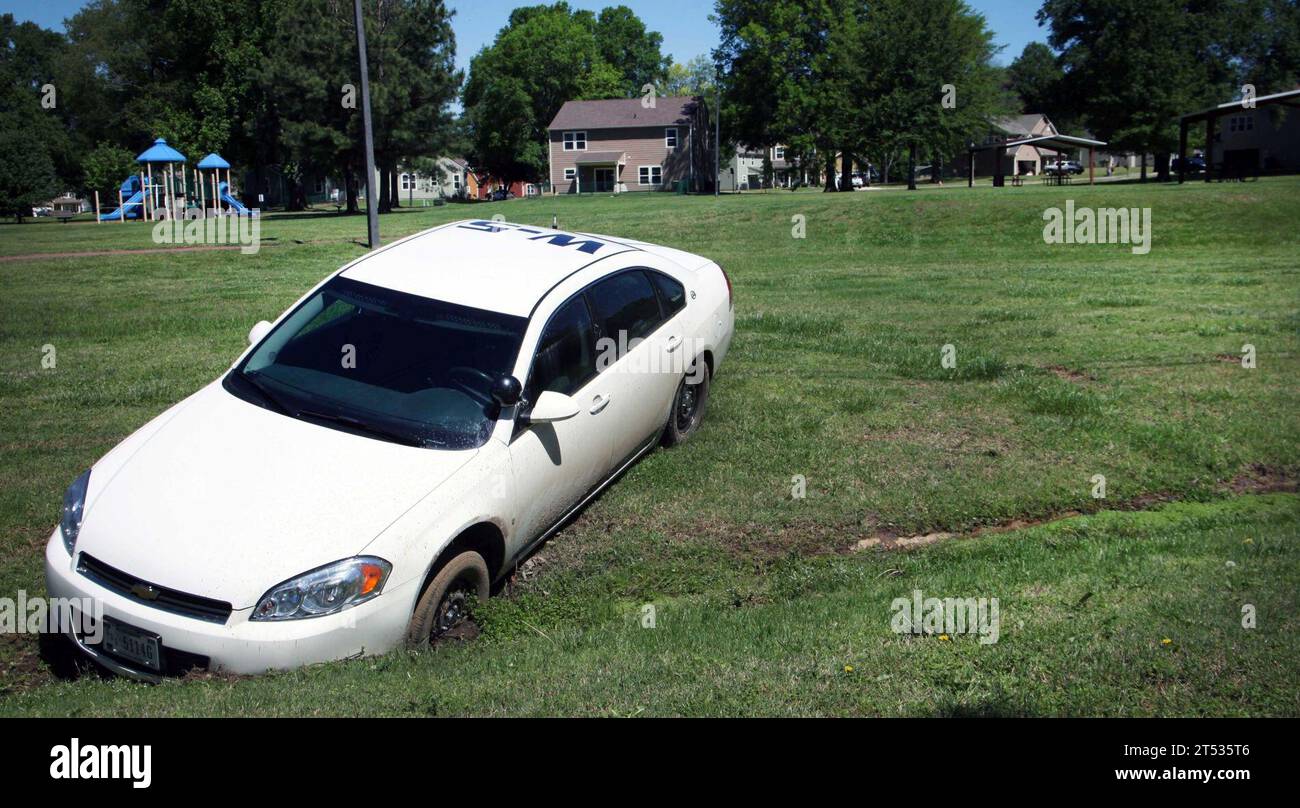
[(552, 406), (257, 332), (506, 391)]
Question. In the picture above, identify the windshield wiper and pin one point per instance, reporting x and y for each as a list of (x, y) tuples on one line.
[(266, 394), (362, 426)]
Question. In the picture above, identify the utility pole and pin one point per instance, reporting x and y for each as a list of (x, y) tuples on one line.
[(372, 211), (717, 134)]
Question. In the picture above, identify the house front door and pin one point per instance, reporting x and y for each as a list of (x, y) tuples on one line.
[(604, 180)]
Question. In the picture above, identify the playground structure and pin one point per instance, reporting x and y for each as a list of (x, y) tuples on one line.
[(220, 189), (167, 196)]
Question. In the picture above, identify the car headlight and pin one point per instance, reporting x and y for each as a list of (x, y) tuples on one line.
[(327, 590), (74, 506)]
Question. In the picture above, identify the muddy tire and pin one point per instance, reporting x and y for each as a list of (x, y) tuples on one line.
[(443, 606), (688, 405)]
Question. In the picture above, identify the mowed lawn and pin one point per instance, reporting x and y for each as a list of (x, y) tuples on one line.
[(1071, 361)]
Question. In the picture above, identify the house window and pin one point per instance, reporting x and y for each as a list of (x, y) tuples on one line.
[(319, 187), (570, 173), (406, 182), (779, 153), (1241, 123), (670, 137), (575, 141), (650, 175), (455, 181)]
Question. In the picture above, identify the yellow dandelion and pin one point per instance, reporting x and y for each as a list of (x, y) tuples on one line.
[(1248, 541), (944, 638), (1166, 641), (848, 669)]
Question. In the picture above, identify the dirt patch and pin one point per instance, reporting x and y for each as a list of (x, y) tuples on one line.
[(22, 669), (1070, 374), (1261, 479), (1257, 479), (1232, 359)]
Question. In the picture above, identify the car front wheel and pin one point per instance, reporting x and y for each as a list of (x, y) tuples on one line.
[(443, 609)]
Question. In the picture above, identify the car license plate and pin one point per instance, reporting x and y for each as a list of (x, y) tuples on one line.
[(132, 644)]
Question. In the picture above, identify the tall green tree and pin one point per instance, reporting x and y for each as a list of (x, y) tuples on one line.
[(632, 51), (1137, 64), (34, 100), (27, 175), (544, 56), (924, 72), (1038, 82), (104, 168), (782, 68), (697, 77)]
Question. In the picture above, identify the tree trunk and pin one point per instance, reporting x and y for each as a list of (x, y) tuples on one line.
[(846, 170), (1162, 166), (297, 194), (936, 170), (382, 191), (830, 172), (350, 188), (911, 167), (393, 190), (1144, 167)]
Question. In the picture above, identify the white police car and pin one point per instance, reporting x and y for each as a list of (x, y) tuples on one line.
[(397, 440)]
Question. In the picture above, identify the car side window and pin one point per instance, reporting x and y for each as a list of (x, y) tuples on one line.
[(672, 293), (565, 359), (626, 307)]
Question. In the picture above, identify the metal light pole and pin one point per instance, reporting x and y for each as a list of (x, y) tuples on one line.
[(717, 134), (372, 211)]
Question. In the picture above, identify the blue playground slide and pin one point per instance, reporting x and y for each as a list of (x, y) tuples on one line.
[(231, 202), (134, 204)]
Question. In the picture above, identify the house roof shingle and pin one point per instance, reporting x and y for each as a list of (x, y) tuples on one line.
[(622, 113)]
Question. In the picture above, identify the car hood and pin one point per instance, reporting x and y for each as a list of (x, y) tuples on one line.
[(227, 499)]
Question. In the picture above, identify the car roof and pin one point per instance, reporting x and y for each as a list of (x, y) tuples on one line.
[(485, 264), (494, 265)]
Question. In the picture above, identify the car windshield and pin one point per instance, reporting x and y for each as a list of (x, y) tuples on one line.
[(385, 364)]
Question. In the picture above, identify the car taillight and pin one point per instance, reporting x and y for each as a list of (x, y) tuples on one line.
[(727, 278)]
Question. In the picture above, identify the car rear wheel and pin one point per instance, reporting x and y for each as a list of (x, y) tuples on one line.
[(688, 405), (443, 609)]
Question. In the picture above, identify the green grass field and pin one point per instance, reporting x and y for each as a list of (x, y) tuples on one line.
[(1072, 361)]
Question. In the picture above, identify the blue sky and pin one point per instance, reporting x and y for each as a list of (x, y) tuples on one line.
[(684, 23)]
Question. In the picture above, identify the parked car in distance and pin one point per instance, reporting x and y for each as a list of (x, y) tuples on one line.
[(396, 442), (862, 178), (1195, 164), (1063, 167)]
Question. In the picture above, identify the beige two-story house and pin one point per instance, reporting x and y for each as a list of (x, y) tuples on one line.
[(631, 144)]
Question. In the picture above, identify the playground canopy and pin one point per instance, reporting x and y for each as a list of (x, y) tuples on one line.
[(160, 152), (213, 160)]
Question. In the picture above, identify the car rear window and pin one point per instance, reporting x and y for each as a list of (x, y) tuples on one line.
[(671, 292), (626, 305)]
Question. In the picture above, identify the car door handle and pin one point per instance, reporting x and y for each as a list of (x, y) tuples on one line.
[(600, 402), (674, 342)]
